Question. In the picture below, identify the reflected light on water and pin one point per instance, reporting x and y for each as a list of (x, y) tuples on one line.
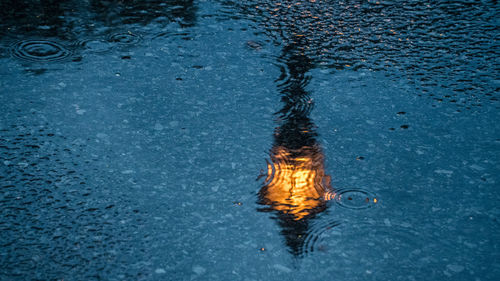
[(296, 184)]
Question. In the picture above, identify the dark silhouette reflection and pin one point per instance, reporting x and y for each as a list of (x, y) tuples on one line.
[(43, 17), (296, 187), (70, 19), (49, 30), (413, 40), (145, 11)]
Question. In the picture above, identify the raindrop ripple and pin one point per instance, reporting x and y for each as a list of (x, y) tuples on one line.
[(125, 38), (40, 51), (313, 240), (355, 198)]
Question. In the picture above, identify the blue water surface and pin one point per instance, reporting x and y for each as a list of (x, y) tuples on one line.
[(249, 140)]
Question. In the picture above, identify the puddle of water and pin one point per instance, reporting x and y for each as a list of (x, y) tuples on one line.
[(132, 132)]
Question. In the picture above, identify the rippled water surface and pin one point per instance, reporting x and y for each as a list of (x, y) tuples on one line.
[(249, 140)]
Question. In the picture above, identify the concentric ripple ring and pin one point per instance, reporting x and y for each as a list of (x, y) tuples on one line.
[(39, 51), (125, 38), (355, 198)]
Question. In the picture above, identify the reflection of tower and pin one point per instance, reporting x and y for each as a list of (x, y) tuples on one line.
[(296, 187)]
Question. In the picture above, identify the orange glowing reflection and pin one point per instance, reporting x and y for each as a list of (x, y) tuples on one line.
[(296, 183)]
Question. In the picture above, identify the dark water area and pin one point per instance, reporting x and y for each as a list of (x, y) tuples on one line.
[(249, 140)]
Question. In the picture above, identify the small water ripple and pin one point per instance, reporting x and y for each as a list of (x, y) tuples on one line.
[(317, 233), (40, 51), (126, 38), (355, 198)]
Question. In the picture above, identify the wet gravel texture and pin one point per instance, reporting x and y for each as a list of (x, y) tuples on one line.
[(132, 134)]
